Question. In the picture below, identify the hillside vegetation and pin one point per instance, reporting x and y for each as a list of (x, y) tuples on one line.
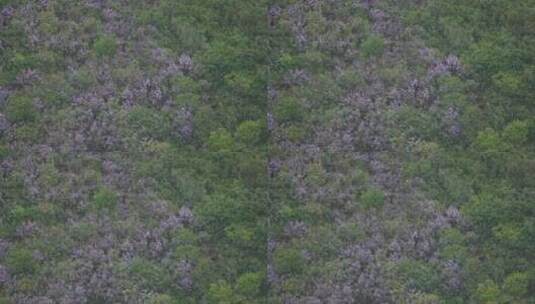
[(255, 151)]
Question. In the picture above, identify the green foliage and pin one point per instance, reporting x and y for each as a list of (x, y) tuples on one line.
[(105, 198), (161, 299), (516, 132), (419, 275), (5, 300), (105, 46), (372, 46), (149, 274), (495, 54), (240, 234), (461, 135), (489, 142), (507, 83), (221, 293), (4, 151), (289, 110), (316, 176), (289, 261), (187, 248), (425, 298), (350, 232), (516, 284), (221, 141), (372, 198), (20, 261), (295, 133), (241, 82), (19, 214), (488, 292), (249, 284), (250, 132), (28, 132), (416, 123), (452, 245), (149, 123), (20, 108), (350, 78)]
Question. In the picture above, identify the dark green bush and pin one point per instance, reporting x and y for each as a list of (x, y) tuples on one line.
[(250, 132), (20, 108), (221, 141), (105, 198), (105, 46), (419, 275), (289, 110), (373, 46), (372, 198), (20, 261), (149, 123), (289, 261), (249, 284)]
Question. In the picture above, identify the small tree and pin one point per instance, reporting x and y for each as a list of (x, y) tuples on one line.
[(373, 46), (21, 109), (105, 198), (105, 46), (516, 132), (249, 132), (372, 198), (221, 293), (289, 261), (221, 141), (249, 284), (516, 284)]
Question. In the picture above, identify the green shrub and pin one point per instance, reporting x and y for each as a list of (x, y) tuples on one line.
[(516, 132), (19, 214), (5, 300), (516, 284), (249, 284), (508, 82), (241, 82), (21, 109), (296, 133), (4, 151), (249, 132), (372, 198), (105, 198), (489, 143), (29, 132), (221, 293), (221, 141), (425, 298), (149, 123), (373, 46), (289, 261), (21, 261), (149, 274), (187, 252), (289, 110), (350, 232), (161, 299), (105, 46), (240, 234), (488, 292), (351, 78), (419, 275), (452, 245)]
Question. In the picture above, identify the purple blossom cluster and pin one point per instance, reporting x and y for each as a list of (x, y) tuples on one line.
[(297, 19)]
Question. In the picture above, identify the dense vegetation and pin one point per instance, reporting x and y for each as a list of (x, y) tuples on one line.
[(282, 151)]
